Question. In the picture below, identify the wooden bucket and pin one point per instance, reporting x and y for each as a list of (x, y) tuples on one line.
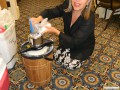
[(38, 67), (39, 71)]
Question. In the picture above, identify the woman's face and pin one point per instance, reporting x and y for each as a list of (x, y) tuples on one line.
[(79, 5)]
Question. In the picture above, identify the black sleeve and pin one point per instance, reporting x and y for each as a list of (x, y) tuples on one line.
[(79, 37), (55, 12)]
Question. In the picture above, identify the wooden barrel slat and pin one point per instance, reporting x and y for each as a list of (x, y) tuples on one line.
[(38, 71)]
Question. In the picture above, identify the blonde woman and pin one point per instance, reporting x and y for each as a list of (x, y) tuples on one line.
[(77, 42)]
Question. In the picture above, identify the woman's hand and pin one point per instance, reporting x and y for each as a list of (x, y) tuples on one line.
[(52, 30), (36, 20)]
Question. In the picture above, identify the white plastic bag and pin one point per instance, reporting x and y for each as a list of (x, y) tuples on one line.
[(6, 18), (8, 43), (39, 28)]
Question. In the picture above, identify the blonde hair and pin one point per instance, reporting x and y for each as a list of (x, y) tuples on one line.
[(85, 12)]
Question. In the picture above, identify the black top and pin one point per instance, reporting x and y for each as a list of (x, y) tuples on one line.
[(79, 37)]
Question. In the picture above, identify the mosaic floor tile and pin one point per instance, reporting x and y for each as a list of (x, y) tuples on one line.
[(103, 68)]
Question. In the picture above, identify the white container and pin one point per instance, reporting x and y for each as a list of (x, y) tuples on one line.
[(8, 46), (14, 9), (16, 14)]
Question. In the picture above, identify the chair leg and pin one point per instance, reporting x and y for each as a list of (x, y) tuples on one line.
[(109, 20), (95, 8), (105, 13)]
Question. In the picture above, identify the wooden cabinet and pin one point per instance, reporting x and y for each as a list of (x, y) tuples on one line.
[(3, 4)]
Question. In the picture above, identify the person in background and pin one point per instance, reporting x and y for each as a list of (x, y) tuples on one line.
[(76, 43)]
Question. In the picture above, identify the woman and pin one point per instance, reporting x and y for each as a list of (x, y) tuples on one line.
[(77, 42)]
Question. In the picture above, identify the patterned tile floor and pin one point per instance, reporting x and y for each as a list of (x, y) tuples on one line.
[(101, 70)]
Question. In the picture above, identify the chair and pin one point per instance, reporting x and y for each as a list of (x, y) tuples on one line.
[(108, 5)]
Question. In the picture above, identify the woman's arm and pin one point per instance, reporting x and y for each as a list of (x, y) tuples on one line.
[(52, 30), (77, 39)]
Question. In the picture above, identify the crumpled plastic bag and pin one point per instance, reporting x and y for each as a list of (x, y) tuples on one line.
[(6, 18), (39, 28)]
